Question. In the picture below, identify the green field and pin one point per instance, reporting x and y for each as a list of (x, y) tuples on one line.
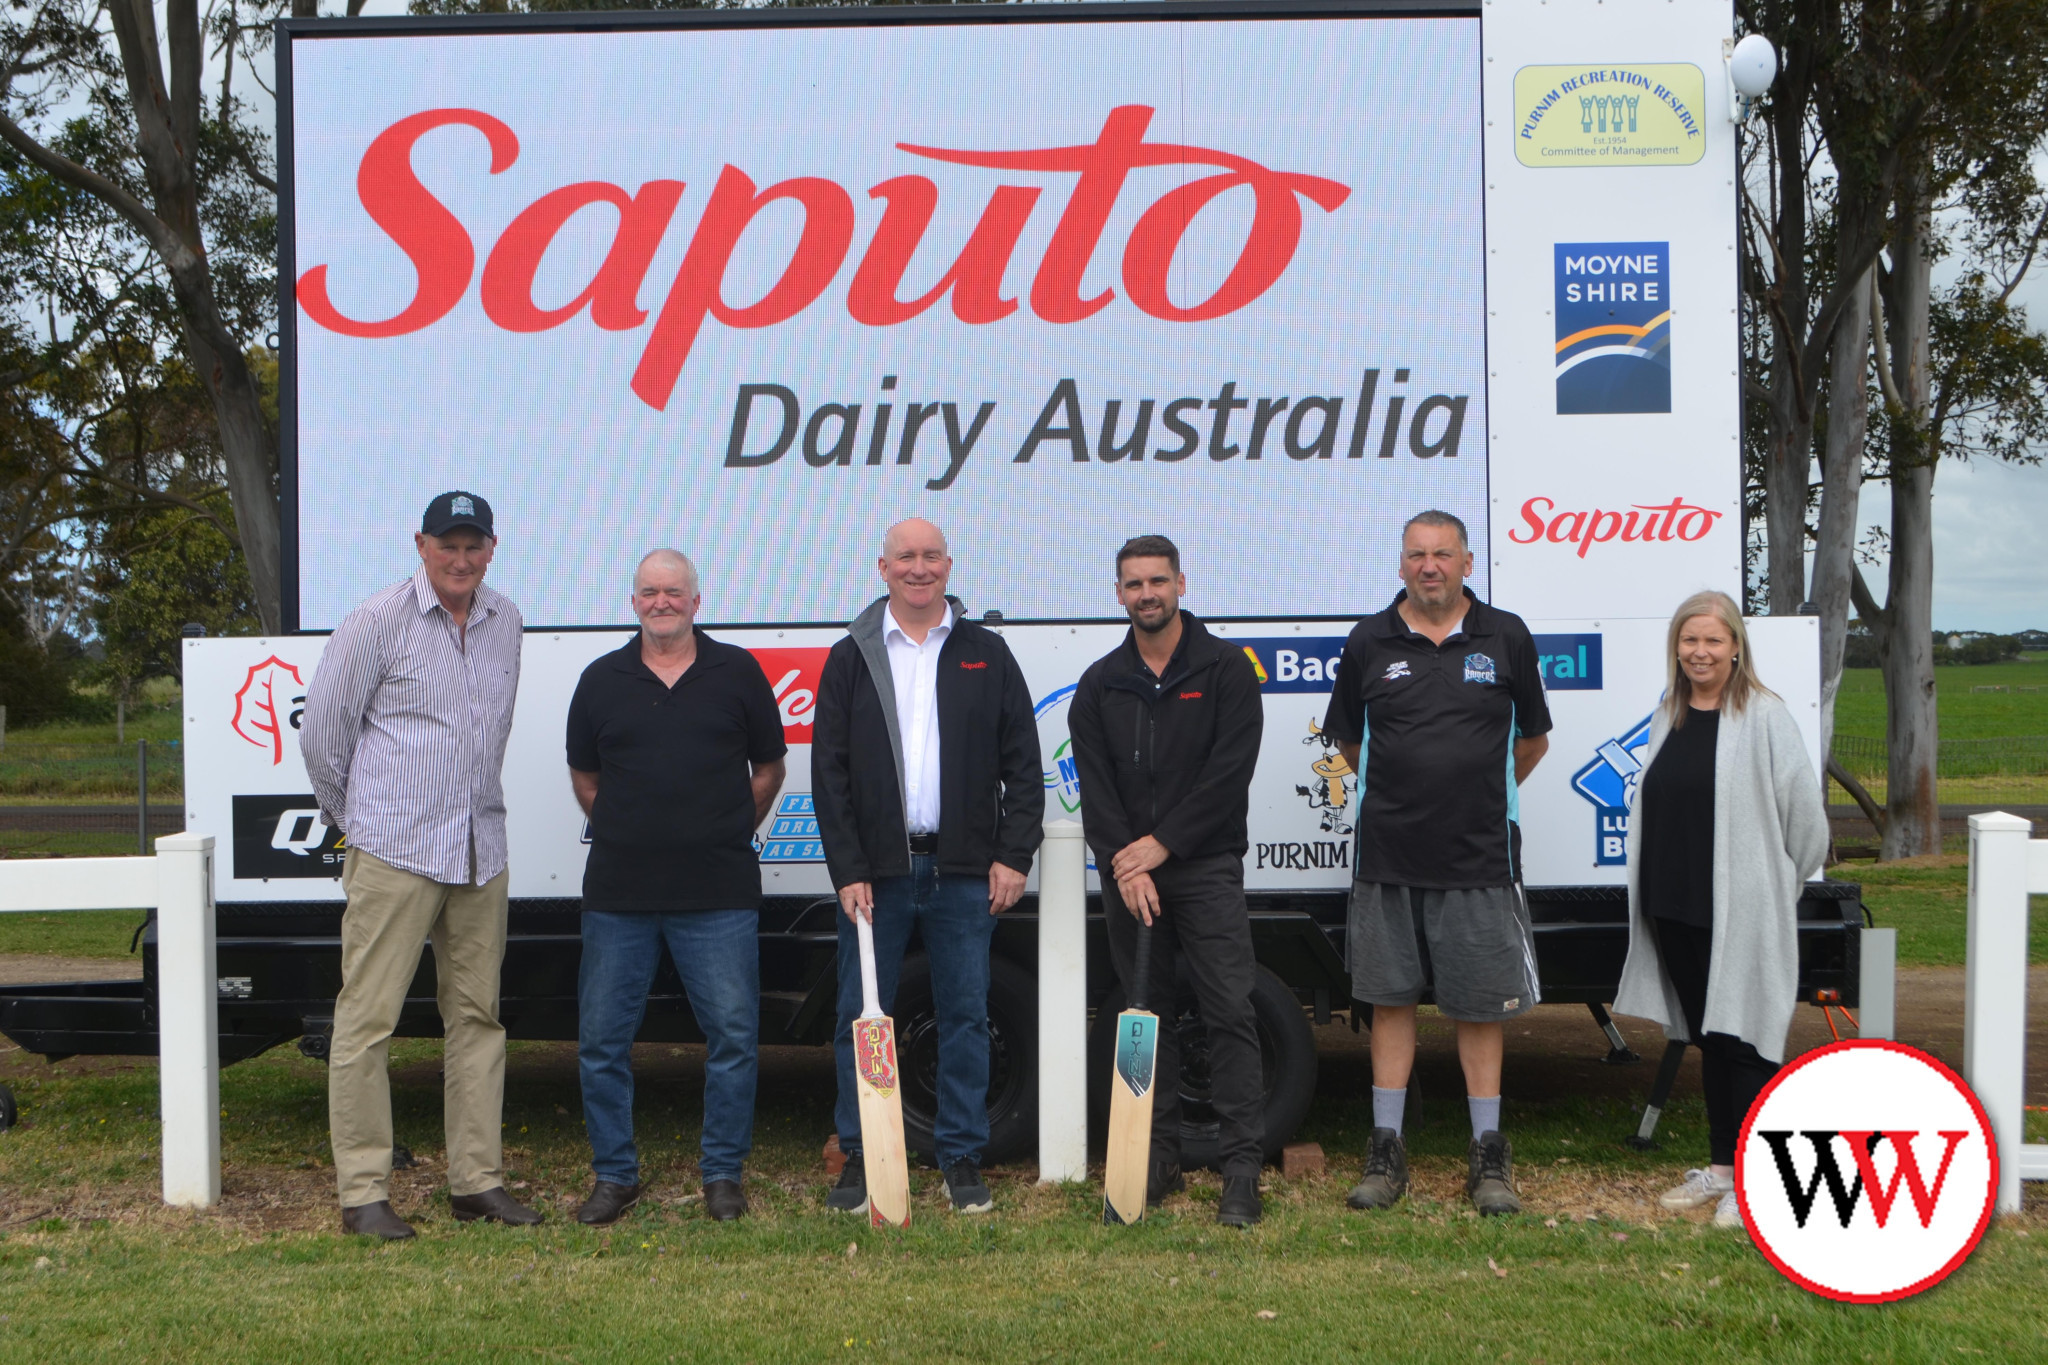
[(1965, 714)]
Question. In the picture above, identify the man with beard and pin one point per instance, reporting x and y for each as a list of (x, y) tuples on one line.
[(1166, 734)]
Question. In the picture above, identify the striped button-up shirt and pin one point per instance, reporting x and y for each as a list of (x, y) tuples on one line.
[(405, 729)]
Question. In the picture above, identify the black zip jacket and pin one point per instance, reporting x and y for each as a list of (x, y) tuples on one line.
[(1170, 756), (991, 787)]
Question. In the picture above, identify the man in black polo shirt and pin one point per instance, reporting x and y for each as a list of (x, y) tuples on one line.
[(675, 754), (1166, 733), (1444, 694)]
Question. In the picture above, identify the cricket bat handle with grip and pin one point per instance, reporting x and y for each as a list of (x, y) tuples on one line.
[(1141, 978), (870, 992)]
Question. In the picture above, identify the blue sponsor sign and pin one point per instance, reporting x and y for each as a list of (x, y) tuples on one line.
[(793, 832), (1294, 663), (1613, 351), (1609, 782), (1569, 663)]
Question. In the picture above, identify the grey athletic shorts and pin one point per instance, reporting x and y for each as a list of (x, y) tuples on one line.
[(1473, 949)]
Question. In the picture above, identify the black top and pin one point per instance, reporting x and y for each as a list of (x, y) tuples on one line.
[(1437, 724), (1170, 754), (1676, 806), (673, 824)]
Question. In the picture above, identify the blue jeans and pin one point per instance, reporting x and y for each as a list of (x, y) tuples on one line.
[(953, 913), (717, 953)]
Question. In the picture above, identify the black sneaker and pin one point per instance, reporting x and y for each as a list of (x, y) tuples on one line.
[(964, 1185), (1386, 1173), (850, 1195), (1165, 1179), (1491, 1183), (1239, 1207)]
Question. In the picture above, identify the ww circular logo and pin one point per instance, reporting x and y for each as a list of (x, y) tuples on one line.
[(1866, 1171)]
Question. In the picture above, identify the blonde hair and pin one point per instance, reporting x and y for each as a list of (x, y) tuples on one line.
[(1742, 679)]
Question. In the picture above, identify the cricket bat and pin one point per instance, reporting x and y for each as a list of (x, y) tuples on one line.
[(877, 1081), (1130, 1099)]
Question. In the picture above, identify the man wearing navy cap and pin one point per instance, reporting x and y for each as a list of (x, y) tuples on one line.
[(404, 741)]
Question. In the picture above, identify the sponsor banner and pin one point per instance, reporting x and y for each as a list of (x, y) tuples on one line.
[(1228, 270), (1615, 471), (1574, 810), (1606, 116), (1613, 327)]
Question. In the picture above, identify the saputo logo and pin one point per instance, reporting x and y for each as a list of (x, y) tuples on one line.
[(1867, 1171), (1543, 521), (443, 253)]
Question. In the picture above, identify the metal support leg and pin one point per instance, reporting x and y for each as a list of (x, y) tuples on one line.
[(1618, 1053), (1645, 1137)]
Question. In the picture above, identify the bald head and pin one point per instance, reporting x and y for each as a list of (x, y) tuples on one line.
[(661, 563), (915, 565), (914, 530)]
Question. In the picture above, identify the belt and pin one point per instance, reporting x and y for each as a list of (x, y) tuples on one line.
[(924, 845)]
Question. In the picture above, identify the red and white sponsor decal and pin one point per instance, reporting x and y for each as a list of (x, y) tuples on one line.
[(1640, 523), (263, 702), (444, 255), (793, 676)]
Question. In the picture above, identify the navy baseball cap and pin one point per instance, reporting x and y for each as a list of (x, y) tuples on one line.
[(454, 509)]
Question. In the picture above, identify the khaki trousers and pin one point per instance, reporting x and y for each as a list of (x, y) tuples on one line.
[(390, 917)]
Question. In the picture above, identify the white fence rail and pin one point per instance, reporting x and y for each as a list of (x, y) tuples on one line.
[(1063, 1003), (178, 884), (2006, 866)]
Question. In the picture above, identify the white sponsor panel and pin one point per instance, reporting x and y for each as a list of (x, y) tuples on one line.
[(766, 289), (245, 783), (1612, 345)]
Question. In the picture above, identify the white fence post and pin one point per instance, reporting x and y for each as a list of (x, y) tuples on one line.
[(1062, 1004), (1995, 987), (1878, 979), (188, 1020)]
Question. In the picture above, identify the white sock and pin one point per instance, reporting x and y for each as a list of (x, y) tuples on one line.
[(1387, 1106), (1485, 1114)]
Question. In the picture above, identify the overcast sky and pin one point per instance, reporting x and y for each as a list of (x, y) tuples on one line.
[(1990, 521)]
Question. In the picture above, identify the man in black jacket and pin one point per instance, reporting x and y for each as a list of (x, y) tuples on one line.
[(930, 802), (1166, 733)]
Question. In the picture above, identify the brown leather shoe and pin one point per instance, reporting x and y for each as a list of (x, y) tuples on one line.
[(608, 1203), (492, 1206), (724, 1200), (376, 1220)]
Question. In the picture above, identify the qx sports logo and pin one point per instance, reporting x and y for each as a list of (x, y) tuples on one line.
[(1867, 1171), (444, 255)]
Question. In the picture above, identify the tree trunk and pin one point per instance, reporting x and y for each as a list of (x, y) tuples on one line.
[(1841, 485), (1789, 458), (1912, 724)]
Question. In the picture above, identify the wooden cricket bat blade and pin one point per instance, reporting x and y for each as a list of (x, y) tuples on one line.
[(1130, 1117), (877, 1083)]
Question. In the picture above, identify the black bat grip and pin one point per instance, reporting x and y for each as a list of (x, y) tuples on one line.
[(1142, 977)]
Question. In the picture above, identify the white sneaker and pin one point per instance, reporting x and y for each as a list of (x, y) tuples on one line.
[(1728, 1213), (1700, 1188)]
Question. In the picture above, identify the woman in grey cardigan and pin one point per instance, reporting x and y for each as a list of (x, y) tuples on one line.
[(1728, 824)]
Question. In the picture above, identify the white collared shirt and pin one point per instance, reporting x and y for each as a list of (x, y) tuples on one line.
[(914, 668)]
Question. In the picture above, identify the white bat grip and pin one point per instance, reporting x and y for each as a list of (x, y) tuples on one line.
[(870, 992)]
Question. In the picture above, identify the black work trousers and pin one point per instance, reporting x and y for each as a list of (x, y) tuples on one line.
[(1732, 1072), (1206, 926)]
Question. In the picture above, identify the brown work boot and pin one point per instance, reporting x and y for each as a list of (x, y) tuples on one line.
[(1491, 1182), (376, 1220), (492, 1206), (1386, 1173)]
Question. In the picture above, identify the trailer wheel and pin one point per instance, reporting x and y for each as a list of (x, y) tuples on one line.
[(8, 1112), (1287, 1047), (1013, 1059)]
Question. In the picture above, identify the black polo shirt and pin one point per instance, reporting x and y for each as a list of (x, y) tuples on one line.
[(1437, 726), (673, 824)]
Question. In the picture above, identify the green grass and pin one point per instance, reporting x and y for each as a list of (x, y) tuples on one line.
[(1927, 901), (1860, 708), (90, 1270), (75, 933)]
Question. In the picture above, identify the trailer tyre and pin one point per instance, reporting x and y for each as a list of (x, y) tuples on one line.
[(1013, 1059), (1287, 1047)]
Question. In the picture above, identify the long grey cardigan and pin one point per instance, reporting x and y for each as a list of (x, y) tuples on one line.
[(1770, 836)]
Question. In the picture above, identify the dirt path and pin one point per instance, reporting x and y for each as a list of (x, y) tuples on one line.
[(20, 969)]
